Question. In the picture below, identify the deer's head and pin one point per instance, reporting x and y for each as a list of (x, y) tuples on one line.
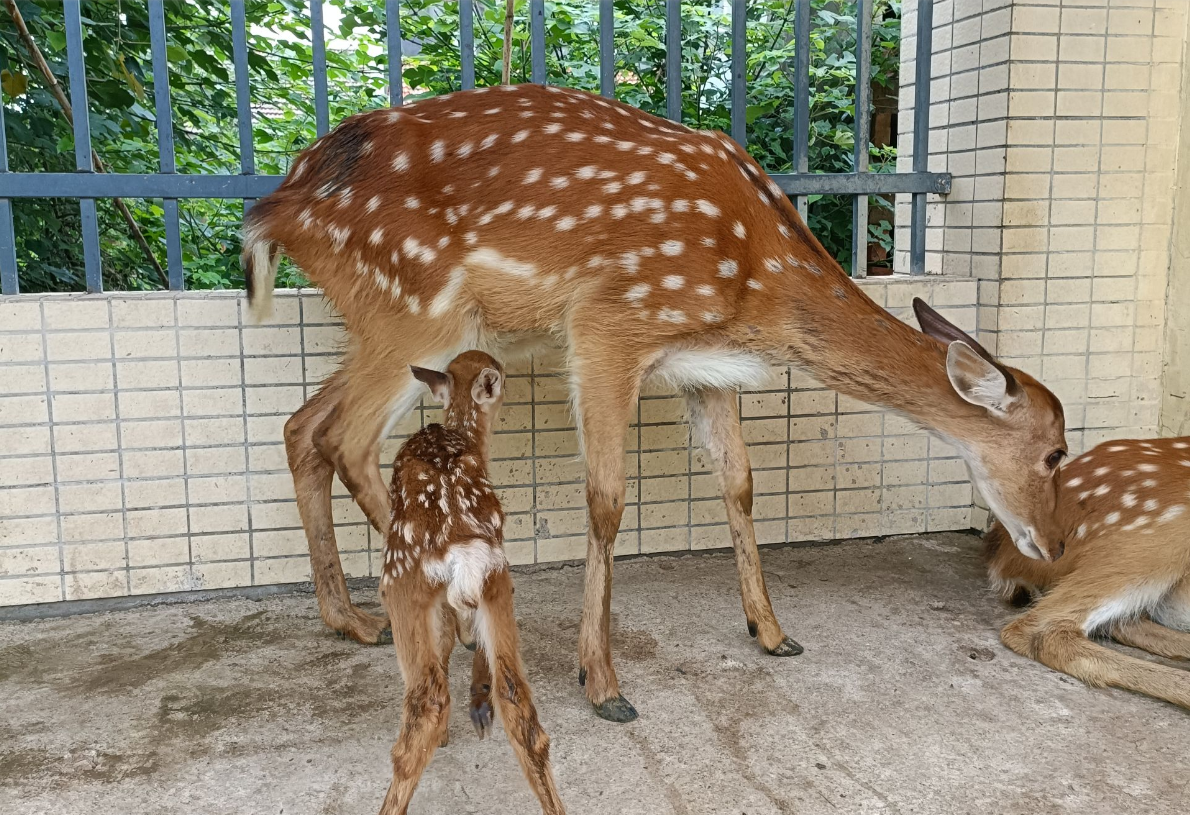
[(1014, 441), (471, 389)]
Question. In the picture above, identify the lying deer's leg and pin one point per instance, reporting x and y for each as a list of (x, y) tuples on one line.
[(312, 475), (1051, 633), (514, 702), (416, 611), (1154, 638), (715, 418), (481, 693), (604, 404)]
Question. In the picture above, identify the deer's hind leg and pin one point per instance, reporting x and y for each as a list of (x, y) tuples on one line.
[(514, 701), (1154, 638), (715, 419), (312, 474), (416, 610)]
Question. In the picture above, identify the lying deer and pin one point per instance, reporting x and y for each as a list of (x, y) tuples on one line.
[(445, 562), (1126, 573), (647, 250)]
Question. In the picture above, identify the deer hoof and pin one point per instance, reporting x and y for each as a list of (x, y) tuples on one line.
[(618, 710), (481, 719), (385, 637), (787, 648)]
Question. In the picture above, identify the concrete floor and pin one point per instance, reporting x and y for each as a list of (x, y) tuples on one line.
[(903, 702)]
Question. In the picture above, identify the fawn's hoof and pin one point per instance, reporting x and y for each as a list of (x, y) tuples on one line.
[(787, 648), (481, 719), (471, 646), (618, 710)]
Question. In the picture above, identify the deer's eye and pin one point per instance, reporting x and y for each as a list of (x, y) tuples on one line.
[(1054, 459)]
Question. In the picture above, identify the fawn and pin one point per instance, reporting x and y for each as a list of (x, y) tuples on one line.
[(444, 563), (1125, 573), (647, 250)]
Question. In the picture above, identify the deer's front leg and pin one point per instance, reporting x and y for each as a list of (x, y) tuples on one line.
[(604, 404), (715, 419)]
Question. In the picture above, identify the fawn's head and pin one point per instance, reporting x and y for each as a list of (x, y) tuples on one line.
[(471, 389), (1014, 442)]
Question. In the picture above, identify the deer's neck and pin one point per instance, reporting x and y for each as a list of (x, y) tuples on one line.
[(838, 334), (472, 424)]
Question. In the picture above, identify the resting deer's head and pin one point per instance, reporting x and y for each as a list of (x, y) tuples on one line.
[(1014, 441)]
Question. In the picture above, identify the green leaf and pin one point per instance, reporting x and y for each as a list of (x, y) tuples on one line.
[(14, 85)]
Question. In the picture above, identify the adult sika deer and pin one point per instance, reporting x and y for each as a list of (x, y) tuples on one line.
[(445, 562), (1125, 510), (645, 249)]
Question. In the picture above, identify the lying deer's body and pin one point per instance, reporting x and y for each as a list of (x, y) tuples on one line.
[(444, 562), (1125, 507), (643, 248)]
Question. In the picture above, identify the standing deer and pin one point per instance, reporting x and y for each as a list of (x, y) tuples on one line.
[(647, 250), (444, 562), (1125, 575)]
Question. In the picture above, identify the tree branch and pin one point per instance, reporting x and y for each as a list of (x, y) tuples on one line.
[(506, 73), (96, 162)]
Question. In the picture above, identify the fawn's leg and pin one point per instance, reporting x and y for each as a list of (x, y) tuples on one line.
[(1051, 632), (605, 400), (416, 611), (715, 419), (447, 628), (514, 702), (481, 692), (312, 474), (1154, 638)]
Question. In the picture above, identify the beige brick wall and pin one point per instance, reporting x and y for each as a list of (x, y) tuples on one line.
[(1059, 120), (141, 452)]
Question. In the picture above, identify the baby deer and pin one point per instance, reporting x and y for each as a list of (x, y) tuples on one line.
[(1125, 573), (444, 561)]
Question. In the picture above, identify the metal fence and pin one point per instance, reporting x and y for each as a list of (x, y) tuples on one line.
[(87, 185)]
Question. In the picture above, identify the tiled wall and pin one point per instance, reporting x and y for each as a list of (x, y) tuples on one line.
[(141, 452), (1059, 120)]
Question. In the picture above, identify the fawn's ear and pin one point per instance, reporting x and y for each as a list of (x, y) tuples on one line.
[(438, 382), (488, 386)]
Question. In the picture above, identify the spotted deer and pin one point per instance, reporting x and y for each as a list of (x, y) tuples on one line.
[(646, 250), (444, 562), (1124, 510)]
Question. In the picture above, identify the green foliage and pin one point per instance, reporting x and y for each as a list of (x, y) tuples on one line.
[(202, 84)]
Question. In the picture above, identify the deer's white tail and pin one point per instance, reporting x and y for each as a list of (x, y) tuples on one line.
[(259, 258)]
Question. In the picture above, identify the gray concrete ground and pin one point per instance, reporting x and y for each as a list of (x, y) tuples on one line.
[(903, 702)]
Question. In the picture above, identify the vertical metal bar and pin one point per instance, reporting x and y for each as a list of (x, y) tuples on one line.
[(801, 96), (921, 131), (77, 71), (239, 43), (8, 239), (739, 68), (322, 113), (673, 60), (467, 42), (537, 40), (863, 132), (165, 140), (607, 49), (396, 82)]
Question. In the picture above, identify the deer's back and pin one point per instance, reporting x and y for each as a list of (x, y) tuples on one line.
[(523, 202)]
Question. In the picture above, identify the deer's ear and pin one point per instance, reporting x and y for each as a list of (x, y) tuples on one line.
[(488, 386), (978, 381), (438, 382), (935, 325)]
